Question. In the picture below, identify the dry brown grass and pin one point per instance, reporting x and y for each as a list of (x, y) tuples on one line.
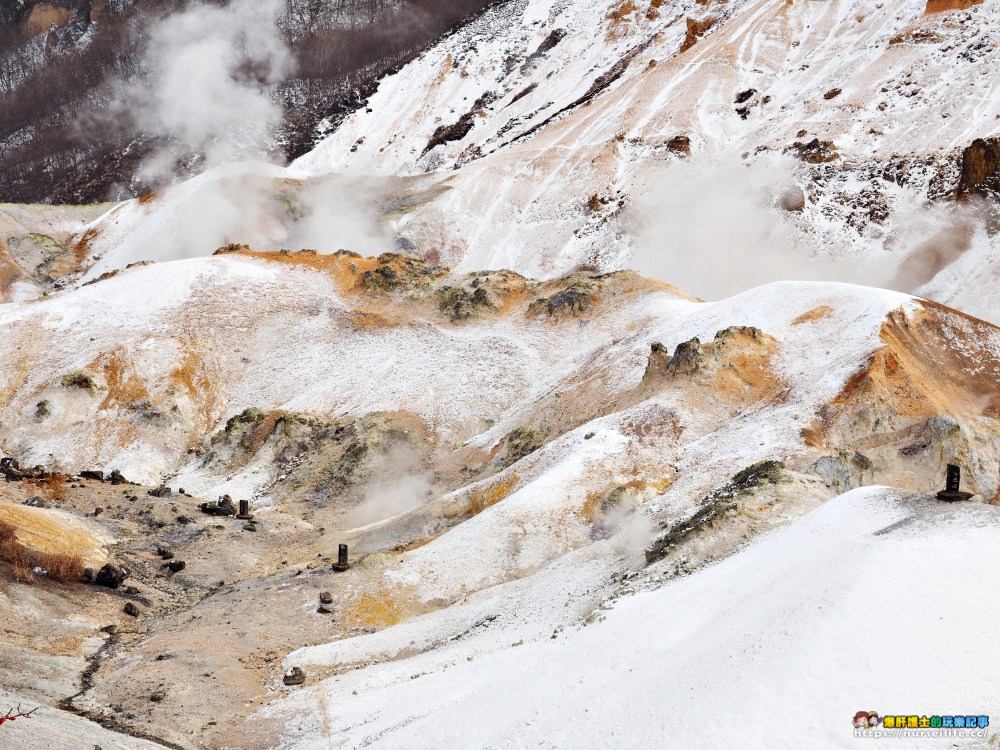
[(52, 488), (18, 558), (13, 553), (61, 568)]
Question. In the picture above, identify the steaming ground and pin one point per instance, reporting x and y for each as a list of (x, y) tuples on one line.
[(206, 93), (496, 163), (574, 495), (505, 458)]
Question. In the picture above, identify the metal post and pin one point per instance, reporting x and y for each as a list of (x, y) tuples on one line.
[(342, 564), (954, 481)]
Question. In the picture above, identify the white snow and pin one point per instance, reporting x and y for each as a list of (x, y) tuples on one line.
[(876, 601)]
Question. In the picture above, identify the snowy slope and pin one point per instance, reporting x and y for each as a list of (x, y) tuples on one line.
[(864, 604), (511, 455), (543, 137), (898, 114), (54, 728), (555, 433)]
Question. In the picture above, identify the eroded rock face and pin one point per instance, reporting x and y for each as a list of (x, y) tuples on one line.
[(980, 170), (43, 16), (919, 404), (696, 30), (939, 6)]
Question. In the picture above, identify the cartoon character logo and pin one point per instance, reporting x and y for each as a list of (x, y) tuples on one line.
[(866, 720)]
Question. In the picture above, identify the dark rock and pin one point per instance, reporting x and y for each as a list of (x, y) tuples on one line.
[(131, 610), (744, 101), (131, 591), (460, 304), (161, 491), (36, 502), (685, 360), (111, 576), (176, 566), (575, 300), (520, 442), (166, 655), (97, 511), (761, 473), (80, 380), (980, 171), (294, 676), (158, 696), (716, 503), (324, 609), (110, 629), (115, 477), (326, 597), (164, 553), (832, 94), (250, 526), (523, 93), (547, 45), (696, 30), (382, 279), (680, 145), (11, 469), (953, 497), (458, 130), (678, 532), (183, 520), (814, 152), (224, 507), (97, 476)]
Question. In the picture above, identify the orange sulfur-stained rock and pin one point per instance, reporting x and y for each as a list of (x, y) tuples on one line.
[(939, 6)]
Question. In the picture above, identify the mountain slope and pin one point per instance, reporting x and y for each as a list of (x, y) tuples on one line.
[(706, 659), (547, 137), (488, 446), (572, 493)]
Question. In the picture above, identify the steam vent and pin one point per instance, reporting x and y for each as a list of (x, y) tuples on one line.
[(567, 374)]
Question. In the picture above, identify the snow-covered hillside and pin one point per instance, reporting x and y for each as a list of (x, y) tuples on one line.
[(550, 136), (492, 448), (584, 506), (780, 644)]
